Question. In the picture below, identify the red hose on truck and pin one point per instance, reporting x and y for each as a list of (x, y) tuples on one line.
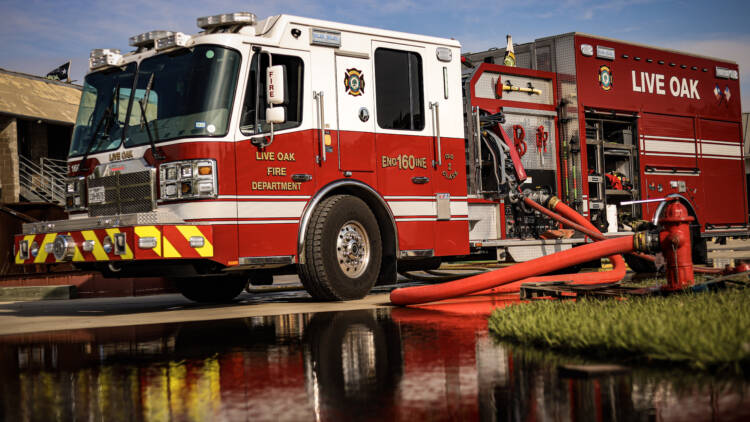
[(543, 265)]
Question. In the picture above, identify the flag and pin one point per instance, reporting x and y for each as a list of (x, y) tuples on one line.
[(60, 73)]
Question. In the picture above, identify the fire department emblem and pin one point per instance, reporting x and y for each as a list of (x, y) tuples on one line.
[(354, 82), (605, 77)]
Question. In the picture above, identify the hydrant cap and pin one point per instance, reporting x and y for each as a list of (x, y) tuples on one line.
[(676, 213)]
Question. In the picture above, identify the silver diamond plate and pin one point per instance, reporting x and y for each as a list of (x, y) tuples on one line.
[(483, 223)]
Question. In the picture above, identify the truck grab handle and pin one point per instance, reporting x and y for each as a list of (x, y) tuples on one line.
[(319, 99), (436, 126)]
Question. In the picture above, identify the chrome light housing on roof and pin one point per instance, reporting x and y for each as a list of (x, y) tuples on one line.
[(147, 39), (226, 19), (104, 57)]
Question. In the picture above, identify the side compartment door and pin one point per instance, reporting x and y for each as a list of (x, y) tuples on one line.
[(723, 166), (354, 105), (669, 161), (404, 145), (323, 112)]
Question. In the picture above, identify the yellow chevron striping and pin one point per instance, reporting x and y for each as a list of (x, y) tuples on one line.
[(77, 255), (169, 249), (207, 249), (42, 255), (128, 252), (98, 251), (150, 231), (28, 238)]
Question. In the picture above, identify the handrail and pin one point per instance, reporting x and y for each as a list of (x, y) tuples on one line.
[(45, 180)]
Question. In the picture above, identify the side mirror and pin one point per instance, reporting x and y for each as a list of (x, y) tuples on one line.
[(276, 115), (276, 84)]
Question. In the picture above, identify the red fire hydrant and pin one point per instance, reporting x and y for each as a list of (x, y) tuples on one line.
[(675, 245)]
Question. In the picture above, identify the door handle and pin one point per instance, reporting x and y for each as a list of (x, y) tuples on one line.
[(321, 119), (436, 127), (420, 180)]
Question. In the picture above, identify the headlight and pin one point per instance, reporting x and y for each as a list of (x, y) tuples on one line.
[(171, 173), (188, 179), (186, 171)]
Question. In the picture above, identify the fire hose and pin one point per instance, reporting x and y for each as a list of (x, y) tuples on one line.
[(673, 241), (577, 222)]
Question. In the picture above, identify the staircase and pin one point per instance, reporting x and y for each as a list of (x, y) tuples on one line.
[(43, 181)]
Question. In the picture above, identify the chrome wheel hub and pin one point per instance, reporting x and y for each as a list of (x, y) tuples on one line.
[(353, 249)]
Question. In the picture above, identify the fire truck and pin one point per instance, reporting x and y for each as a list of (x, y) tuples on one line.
[(346, 154)]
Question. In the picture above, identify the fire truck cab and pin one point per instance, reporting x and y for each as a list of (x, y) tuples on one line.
[(254, 146)]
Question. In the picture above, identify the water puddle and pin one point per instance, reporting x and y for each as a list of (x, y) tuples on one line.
[(384, 364)]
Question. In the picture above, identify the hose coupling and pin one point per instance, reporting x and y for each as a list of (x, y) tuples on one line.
[(552, 202), (646, 241)]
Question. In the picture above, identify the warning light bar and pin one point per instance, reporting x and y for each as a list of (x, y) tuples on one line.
[(176, 39), (103, 57), (226, 19), (147, 39)]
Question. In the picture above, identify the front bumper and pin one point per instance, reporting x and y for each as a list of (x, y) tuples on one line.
[(122, 243)]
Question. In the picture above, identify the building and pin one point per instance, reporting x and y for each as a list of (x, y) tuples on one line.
[(36, 123)]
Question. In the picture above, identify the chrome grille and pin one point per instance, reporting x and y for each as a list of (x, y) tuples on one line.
[(124, 193)]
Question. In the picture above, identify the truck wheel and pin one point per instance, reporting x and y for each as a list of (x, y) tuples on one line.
[(343, 250), (211, 289)]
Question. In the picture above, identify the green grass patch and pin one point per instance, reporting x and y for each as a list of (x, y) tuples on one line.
[(705, 330)]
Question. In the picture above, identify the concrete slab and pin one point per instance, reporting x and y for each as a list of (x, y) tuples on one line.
[(37, 293), (28, 317)]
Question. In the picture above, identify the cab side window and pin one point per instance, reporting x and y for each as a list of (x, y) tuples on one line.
[(253, 120), (398, 89)]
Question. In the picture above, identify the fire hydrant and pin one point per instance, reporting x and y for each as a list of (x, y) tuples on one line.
[(675, 245)]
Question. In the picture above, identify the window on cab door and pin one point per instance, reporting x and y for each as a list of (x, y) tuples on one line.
[(254, 108), (398, 89)]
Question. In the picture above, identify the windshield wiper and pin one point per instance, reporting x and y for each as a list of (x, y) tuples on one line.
[(144, 123), (95, 139)]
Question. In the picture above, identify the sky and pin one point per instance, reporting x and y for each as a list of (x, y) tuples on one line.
[(36, 36)]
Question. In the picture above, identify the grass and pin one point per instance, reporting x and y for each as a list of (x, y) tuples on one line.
[(706, 330)]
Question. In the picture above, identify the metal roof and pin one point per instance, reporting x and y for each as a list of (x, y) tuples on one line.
[(33, 97)]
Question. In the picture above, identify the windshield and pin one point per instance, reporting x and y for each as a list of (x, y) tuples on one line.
[(99, 111), (189, 92)]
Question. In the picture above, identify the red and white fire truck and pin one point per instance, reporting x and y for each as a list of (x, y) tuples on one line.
[(346, 153)]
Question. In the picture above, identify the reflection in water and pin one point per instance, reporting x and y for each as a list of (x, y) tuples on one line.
[(400, 364)]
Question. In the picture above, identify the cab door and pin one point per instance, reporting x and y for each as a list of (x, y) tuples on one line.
[(274, 176), (404, 144), (356, 135)]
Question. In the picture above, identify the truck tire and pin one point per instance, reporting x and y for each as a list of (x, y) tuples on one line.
[(214, 289), (343, 250)]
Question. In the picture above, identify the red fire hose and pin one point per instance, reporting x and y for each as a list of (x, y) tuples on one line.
[(673, 240), (583, 225), (545, 264)]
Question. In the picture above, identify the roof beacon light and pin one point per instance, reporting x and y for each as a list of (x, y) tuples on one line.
[(147, 39), (177, 39), (226, 19), (103, 57)]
